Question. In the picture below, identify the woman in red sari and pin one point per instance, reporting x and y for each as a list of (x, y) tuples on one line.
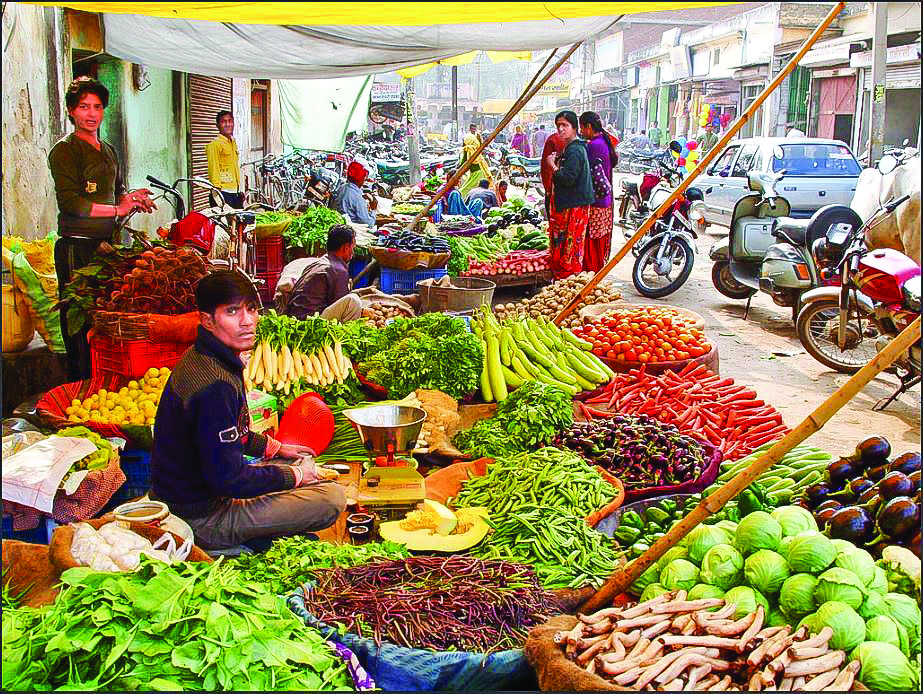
[(571, 197), (602, 158)]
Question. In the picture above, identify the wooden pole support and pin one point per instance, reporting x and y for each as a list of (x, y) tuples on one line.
[(530, 91), (619, 582), (703, 162)]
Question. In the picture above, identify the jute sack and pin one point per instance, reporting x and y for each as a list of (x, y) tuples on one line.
[(30, 574)]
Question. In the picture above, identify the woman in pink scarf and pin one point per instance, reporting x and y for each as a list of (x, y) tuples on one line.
[(521, 142)]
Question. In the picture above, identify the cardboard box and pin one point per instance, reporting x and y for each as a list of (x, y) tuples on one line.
[(264, 412)]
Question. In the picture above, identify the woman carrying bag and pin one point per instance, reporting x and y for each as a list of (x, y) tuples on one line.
[(602, 158), (571, 197)]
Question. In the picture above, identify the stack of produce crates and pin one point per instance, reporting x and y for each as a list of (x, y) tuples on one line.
[(270, 259), (405, 281), (136, 464)]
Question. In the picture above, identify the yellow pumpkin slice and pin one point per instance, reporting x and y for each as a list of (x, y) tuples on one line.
[(473, 520)]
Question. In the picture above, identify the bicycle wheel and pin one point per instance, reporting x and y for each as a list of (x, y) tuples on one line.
[(656, 276)]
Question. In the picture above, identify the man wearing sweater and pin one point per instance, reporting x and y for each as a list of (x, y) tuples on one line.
[(202, 433)]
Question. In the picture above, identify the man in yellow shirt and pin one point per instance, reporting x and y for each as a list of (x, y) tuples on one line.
[(223, 161)]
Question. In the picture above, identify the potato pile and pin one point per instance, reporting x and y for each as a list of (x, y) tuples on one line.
[(378, 314), (550, 300), (134, 404)]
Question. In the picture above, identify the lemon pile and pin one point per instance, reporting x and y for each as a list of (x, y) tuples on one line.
[(134, 404)]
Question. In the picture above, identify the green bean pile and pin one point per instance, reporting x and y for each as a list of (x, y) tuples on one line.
[(539, 517)]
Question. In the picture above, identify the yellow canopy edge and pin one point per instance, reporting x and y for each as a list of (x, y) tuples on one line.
[(376, 13), (465, 59)]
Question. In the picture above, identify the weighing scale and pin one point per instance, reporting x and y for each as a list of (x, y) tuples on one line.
[(391, 487)]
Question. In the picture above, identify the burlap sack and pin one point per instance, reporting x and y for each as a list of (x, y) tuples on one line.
[(29, 571), (555, 673), (59, 549)]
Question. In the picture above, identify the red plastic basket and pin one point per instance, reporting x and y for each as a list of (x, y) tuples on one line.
[(267, 289), (270, 255), (129, 359)]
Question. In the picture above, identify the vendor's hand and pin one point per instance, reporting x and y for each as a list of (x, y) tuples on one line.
[(550, 160), (311, 473), (126, 206), (142, 198), (295, 451), (105, 248)]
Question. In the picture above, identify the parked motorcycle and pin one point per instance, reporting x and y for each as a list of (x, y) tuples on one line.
[(769, 251), (844, 326), (633, 208), (516, 167), (665, 255)]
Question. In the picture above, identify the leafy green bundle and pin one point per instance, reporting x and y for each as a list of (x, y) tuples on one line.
[(309, 230), (292, 560), (189, 626), (531, 415)]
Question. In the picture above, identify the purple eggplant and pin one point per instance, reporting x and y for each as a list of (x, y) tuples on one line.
[(876, 474), (906, 463), (851, 523), (895, 484), (872, 452), (817, 493), (830, 503), (823, 517), (914, 477), (899, 516), (839, 473)]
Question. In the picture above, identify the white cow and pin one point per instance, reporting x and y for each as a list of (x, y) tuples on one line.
[(900, 231)]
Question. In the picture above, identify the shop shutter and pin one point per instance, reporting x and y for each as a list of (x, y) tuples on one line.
[(899, 77), (207, 96)]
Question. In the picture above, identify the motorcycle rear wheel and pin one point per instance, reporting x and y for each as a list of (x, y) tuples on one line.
[(681, 254), (725, 283), (816, 328), (625, 221)]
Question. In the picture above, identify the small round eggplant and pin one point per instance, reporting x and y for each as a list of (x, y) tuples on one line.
[(895, 484), (860, 485), (867, 495), (839, 473), (898, 516), (906, 463), (817, 493), (914, 477), (851, 523), (873, 503), (830, 503), (872, 452), (877, 473), (823, 517)]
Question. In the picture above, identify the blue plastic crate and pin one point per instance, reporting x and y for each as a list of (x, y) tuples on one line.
[(405, 281), (136, 464), (39, 535), (356, 265)]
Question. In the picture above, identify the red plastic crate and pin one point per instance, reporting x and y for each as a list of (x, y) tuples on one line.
[(267, 289), (131, 358), (270, 254)]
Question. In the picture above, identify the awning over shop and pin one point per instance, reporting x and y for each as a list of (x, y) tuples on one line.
[(301, 40)]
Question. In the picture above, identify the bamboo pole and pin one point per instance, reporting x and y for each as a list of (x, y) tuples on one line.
[(713, 153), (618, 583), (530, 91)]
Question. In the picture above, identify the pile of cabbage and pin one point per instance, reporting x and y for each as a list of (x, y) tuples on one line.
[(800, 577)]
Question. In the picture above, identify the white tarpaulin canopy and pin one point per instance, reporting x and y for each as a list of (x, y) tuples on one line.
[(317, 114)]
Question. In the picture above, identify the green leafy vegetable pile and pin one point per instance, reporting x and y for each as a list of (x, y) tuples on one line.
[(94, 461), (531, 415), (190, 626), (433, 351), (309, 230), (292, 560)]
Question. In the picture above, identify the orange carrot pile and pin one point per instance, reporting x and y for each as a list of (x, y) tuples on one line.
[(699, 403)]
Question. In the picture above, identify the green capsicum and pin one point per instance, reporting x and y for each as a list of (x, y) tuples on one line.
[(632, 520)]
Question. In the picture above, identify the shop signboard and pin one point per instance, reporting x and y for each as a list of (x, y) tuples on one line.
[(385, 92)]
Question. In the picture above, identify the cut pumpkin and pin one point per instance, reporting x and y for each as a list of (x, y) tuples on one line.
[(428, 540)]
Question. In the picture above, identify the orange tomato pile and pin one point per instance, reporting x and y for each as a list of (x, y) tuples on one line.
[(648, 334)]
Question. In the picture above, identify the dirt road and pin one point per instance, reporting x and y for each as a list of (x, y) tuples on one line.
[(764, 351)]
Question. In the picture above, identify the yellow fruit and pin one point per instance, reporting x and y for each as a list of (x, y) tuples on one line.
[(149, 421), (123, 391), (102, 392), (71, 410), (73, 418), (76, 402), (164, 371), (152, 372), (133, 385)]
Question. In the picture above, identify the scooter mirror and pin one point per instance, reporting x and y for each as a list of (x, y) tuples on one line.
[(887, 164), (778, 152)]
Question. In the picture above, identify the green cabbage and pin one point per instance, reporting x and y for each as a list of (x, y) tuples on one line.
[(859, 562), (811, 553), (729, 526), (794, 520), (670, 555), (879, 583), (703, 538), (766, 571), (777, 618), (722, 567), (887, 630), (848, 627), (651, 575), (785, 546), (797, 595), (842, 545), (885, 668), (841, 585), (746, 600), (703, 591), (652, 591), (906, 612), (679, 574), (758, 531), (873, 606)]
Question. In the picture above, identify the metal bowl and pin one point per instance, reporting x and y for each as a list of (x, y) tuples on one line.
[(385, 428)]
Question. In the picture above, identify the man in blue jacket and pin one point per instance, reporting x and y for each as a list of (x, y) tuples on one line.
[(202, 432)]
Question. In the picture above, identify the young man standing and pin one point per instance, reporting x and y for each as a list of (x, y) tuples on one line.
[(202, 433), (223, 161), (655, 134)]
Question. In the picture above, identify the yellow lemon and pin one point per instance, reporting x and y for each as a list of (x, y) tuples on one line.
[(76, 402), (149, 421), (133, 385), (123, 390), (71, 410), (152, 372), (164, 371), (74, 418)]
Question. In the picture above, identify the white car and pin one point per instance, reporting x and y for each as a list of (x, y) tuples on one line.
[(818, 172)]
